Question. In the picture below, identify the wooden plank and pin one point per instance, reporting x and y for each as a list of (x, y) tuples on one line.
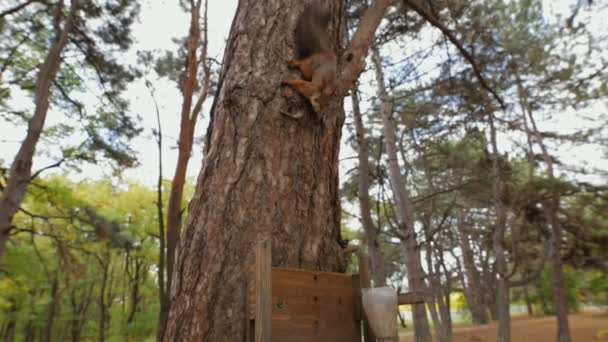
[(357, 297), (313, 306), (410, 298), (263, 292), (365, 283)]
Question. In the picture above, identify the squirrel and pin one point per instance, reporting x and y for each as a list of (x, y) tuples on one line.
[(316, 59)]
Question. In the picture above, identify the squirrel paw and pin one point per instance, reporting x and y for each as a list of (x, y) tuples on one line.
[(294, 63)]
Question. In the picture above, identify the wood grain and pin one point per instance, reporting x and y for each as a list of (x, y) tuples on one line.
[(313, 306), (263, 293)]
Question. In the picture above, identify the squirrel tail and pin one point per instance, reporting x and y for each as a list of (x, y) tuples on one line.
[(310, 34)]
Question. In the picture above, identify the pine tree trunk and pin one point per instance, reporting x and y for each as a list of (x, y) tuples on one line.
[(473, 293), (502, 300), (369, 228), (186, 131), (411, 250), (550, 208), (265, 175)]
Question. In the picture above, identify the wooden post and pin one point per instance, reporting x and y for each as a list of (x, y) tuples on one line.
[(365, 283), (410, 298), (263, 291)]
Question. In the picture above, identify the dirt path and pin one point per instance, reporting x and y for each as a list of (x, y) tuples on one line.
[(584, 328)]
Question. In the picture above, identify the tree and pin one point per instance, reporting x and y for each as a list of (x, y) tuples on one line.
[(404, 208), (21, 168), (71, 30), (372, 231), (265, 176), (189, 116)]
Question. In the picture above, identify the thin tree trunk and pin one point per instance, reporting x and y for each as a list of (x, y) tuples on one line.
[(435, 286), (559, 292), (29, 333), (474, 296), (75, 322), (103, 305), (21, 168), (550, 208), (52, 308), (79, 311), (415, 273), (186, 133), (9, 329), (265, 175), (162, 295), (135, 297), (502, 300), (528, 301), (189, 118), (369, 228), (444, 299)]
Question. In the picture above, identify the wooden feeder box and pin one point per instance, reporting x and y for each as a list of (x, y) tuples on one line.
[(295, 305)]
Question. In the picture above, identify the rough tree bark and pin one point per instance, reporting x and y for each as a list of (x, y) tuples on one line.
[(265, 175), (369, 228), (405, 210), (21, 168)]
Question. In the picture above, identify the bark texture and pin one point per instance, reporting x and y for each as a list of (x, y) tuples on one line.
[(264, 175)]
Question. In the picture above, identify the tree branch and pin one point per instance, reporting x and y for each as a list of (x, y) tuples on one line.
[(431, 19), (353, 59), (54, 165), (206, 69), (17, 8)]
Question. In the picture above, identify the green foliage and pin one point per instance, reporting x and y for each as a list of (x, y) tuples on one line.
[(597, 291), (83, 235), (574, 283)]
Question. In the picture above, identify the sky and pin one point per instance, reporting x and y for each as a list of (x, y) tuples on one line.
[(161, 21)]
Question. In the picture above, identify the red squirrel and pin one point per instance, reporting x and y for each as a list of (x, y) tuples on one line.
[(316, 59)]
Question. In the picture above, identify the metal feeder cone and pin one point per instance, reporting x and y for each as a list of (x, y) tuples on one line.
[(380, 306)]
